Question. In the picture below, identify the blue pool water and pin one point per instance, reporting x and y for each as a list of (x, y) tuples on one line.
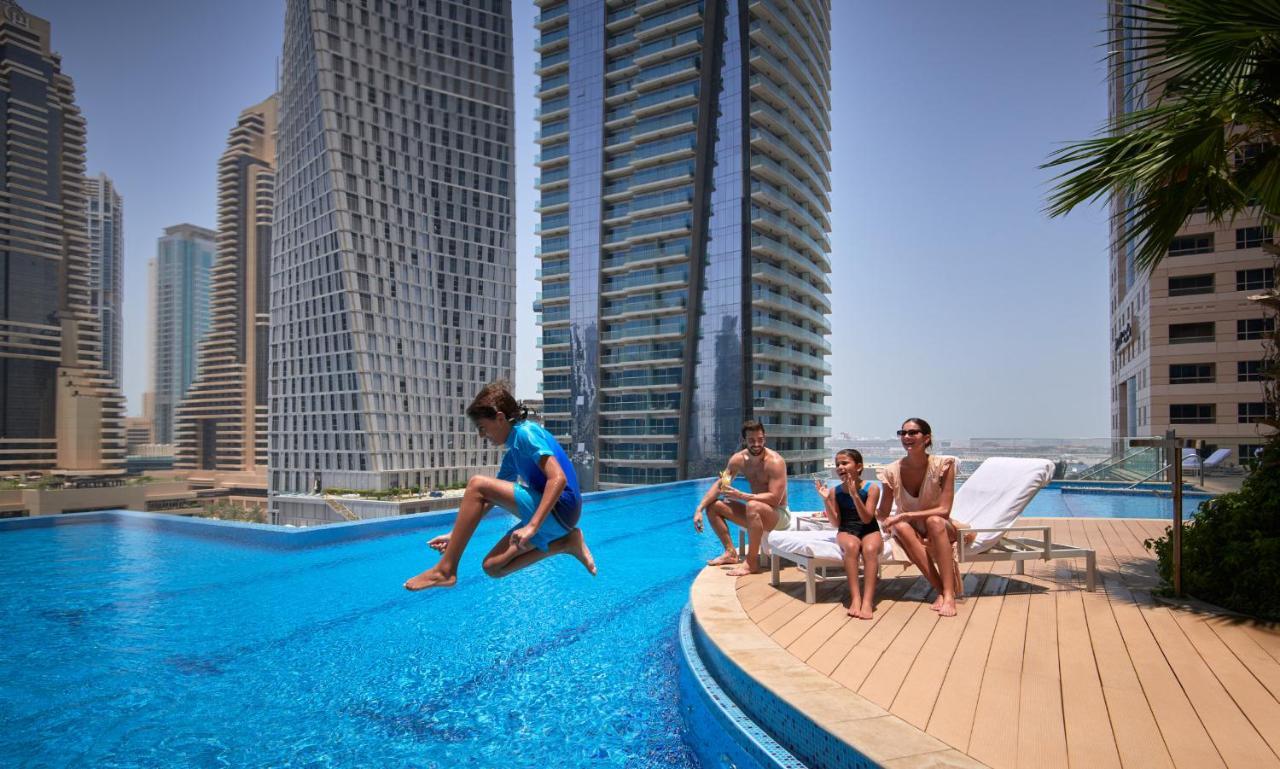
[(129, 647)]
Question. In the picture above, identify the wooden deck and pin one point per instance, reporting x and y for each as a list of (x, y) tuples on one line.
[(1036, 671)]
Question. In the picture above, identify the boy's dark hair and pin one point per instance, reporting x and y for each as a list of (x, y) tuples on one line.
[(496, 398), (750, 426)]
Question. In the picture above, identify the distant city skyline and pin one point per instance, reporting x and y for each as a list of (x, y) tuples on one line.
[(985, 317)]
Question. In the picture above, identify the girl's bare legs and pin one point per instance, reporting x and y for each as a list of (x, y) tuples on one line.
[(940, 545), (475, 501), (850, 548), (872, 544)]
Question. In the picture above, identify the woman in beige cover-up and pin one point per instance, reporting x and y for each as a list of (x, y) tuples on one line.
[(924, 486)]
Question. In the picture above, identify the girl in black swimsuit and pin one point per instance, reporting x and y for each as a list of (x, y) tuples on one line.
[(851, 508)]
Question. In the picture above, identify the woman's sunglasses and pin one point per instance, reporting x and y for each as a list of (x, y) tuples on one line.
[(912, 433)]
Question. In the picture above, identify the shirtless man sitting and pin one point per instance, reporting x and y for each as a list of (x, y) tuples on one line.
[(764, 509)]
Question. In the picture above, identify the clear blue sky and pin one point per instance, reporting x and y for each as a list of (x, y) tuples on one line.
[(956, 299)]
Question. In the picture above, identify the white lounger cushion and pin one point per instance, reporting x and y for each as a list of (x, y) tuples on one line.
[(996, 494), (814, 544)]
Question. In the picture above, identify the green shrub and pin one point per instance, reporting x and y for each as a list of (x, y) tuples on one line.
[(1231, 549)]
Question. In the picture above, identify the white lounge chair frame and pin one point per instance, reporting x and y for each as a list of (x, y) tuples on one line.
[(1018, 549)]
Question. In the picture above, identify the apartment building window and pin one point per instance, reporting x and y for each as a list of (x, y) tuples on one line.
[(1252, 237), (1254, 328), (1255, 280), (1191, 413), (1251, 412), (1191, 373), (1185, 245), (1191, 333), (1191, 284), (1249, 371)]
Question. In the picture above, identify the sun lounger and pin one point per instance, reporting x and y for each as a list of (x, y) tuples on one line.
[(985, 511)]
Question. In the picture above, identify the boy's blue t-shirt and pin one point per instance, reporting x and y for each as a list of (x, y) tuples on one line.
[(527, 443)]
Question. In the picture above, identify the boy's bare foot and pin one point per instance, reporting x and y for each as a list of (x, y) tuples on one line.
[(432, 577), (947, 609), (439, 543), (724, 559), (854, 611), (864, 613), (743, 570), (576, 546), (937, 603)]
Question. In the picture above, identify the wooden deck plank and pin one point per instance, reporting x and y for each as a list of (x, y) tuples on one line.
[(860, 660), (1184, 735), (831, 653), (1091, 741), (914, 701), (994, 737), (1137, 738), (812, 614), (951, 719), (1263, 666), (1237, 741), (1041, 731), (1257, 704)]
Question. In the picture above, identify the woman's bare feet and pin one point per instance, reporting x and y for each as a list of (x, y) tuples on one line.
[(937, 603), (432, 577), (576, 546), (855, 611), (439, 543), (726, 558), (947, 609), (743, 569), (865, 613)]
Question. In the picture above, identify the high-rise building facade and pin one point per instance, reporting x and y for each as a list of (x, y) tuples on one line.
[(180, 302), (685, 182), (59, 410), (106, 268), (222, 423), (393, 270), (1187, 344)]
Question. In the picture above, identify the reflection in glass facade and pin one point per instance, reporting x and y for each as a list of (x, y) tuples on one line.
[(716, 403), (586, 142), (685, 209)]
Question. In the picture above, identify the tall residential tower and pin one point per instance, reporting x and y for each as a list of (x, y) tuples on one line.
[(393, 270), (106, 268), (59, 409), (1187, 344), (180, 307), (222, 423), (685, 182)]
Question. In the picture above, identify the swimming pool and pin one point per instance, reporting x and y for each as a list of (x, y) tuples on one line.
[(1068, 499), (131, 647)]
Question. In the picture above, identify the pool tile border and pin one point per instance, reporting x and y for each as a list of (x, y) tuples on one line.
[(820, 721)]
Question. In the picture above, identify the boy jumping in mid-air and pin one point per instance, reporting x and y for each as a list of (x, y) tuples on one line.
[(548, 503)]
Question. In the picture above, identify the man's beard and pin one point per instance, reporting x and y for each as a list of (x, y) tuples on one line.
[(754, 451)]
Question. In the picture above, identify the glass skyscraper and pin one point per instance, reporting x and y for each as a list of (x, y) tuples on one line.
[(59, 410), (393, 267), (684, 216), (184, 257)]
